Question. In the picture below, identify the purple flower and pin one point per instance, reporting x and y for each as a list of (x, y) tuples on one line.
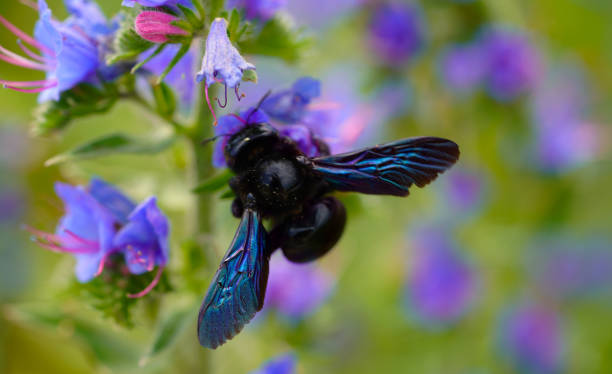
[(564, 138), (230, 124), (513, 64), (101, 221), (67, 53), (317, 15), (396, 32), (283, 364), (571, 269), (442, 284), (258, 9), (289, 106), (462, 192), (463, 67), (179, 77), (303, 138), (531, 338), (296, 290), (221, 63)]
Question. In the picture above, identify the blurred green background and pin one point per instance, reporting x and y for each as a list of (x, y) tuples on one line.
[(363, 326)]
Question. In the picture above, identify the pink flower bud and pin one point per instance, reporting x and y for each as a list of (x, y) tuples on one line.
[(156, 26)]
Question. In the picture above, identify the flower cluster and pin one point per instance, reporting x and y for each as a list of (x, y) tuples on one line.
[(69, 52), (99, 222), (502, 61)]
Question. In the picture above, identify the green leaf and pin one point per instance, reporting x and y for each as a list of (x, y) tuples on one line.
[(227, 194), (112, 144), (165, 101), (276, 39), (169, 329), (214, 183), (80, 101), (127, 43), (195, 22), (175, 60), (157, 51)]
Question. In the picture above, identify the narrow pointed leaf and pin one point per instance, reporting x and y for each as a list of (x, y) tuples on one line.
[(214, 183)]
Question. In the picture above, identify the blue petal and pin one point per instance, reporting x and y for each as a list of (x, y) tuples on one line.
[(112, 199), (88, 17), (308, 88), (46, 30), (77, 59)]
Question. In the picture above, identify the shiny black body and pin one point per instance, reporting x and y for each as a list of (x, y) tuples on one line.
[(274, 180)]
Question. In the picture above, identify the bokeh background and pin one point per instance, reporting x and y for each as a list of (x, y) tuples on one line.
[(503, 265)]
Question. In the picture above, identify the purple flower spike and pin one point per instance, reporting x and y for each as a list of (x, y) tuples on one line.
[(296, 290), (229, 125), (531, 338), (283, 364), (397, 32), (69, 52), (221, 63), (258, 9), (442, 285), (289, 106), (513, 64)]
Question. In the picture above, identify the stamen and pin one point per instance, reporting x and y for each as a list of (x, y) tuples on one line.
[(26, 38), (219, 102), (103, 262), (30, 53), (239, 96), (80, 239), (238, 118), (23, 62), (210, 105), (30, 4), (149, 287), (33, 90), (23, 83), (54, 242)]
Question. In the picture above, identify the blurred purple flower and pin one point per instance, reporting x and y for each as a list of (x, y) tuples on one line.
[(531, 338), (513, 63), (462, 192), (221, 63), (180, 77), (442, 285), (572, 269), (283, 364), (296, 290), (317, 15), (564, 139), (289, 106), (12, 204), (258, 9), (155, 3), (230, 124), (396, 32), (100, 221), (69, 50), (502, 61)]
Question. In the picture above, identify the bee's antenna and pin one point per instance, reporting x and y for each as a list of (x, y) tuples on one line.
[(261, 101)]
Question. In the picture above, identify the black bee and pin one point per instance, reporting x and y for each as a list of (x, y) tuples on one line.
[(275, 180)]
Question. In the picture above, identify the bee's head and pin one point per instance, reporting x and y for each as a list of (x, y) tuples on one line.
[(247, 145)]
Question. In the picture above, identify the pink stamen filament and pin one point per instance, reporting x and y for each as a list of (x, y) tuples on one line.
[(80, 239), (238, 118), (30, 53), (23, 83), (209, 104), (33, 90), (23, 62), (219, 102), (54, 242), (25, 37), (150, 286), (30, 3)]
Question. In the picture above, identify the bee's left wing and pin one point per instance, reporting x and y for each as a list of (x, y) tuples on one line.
[(238, 288), (388, 169)]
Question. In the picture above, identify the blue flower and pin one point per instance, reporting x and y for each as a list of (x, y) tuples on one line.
[(221, 63), (396, 32), (296, 290), (100, 221), (70, 52), (258, 9), (531, 338), (229, 125), (289, 106), (442, 285), (283, 364)]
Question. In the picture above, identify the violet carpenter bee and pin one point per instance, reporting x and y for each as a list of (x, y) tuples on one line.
[(275, 180)]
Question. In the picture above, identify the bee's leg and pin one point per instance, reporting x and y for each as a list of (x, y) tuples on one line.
[(312, 233), (237, 208)]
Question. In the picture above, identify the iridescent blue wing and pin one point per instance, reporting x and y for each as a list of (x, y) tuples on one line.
[(238, 288), (388, 169)]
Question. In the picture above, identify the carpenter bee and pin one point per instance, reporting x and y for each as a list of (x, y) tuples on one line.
[(274, 180)]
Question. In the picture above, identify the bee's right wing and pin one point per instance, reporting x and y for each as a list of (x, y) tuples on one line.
[(388, 169), (238, 288)]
